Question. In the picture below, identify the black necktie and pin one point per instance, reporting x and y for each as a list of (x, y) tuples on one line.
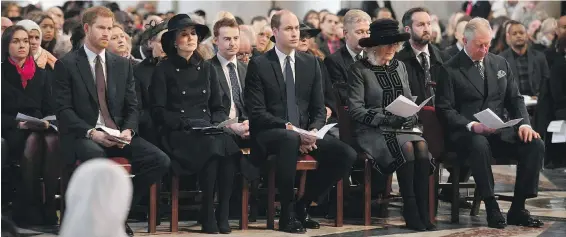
[(479, 66), (235, 88), (101, 91), (358, 57), (292, 108), (426, 68)]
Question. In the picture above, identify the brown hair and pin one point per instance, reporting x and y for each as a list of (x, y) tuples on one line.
[(121, 27), (224, 22), (90, 15)]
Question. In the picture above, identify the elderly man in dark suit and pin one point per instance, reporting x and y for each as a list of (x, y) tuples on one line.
[(470, 82), (283, 92), (95, 88), (528, 65)]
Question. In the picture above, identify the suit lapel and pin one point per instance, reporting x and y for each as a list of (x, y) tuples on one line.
[(471, 72), (490, 75), (86, 74), (346, 57), (111, 81), (301, 68), (221, 76), (276, 66), (530, 59), (242, 74)]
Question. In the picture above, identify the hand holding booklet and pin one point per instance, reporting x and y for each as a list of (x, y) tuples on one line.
[(29, 119), (404, 107), (491, 120), (319, 134), (114, 133)]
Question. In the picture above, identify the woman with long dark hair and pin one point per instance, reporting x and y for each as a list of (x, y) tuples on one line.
[(49, 36), (185, 94), (26, 90)]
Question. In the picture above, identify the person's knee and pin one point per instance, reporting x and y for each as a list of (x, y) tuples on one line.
[(163, 161), (421, 150), (477, 143), (290, 137), (51, 142), (88, 149), (537, 146)]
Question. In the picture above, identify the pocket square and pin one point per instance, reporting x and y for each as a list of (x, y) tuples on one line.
[(501, 74)]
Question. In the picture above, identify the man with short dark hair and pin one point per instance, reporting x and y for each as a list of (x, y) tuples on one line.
[(529, 66), (283, 92), (327, 40)]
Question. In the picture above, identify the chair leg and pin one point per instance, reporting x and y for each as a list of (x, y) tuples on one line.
[(436, 189), (65, 177), (367, 193), (432, 198), (271, 199), (153, 208), (339, 221), (174, 204), (455, 207), (384, 206), (476, 204), (245, 201)]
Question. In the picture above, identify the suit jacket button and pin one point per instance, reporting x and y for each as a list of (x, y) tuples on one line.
[(204, 91), (183, 92), (182, 111), (198, 68), (177, 69), (204, 110)]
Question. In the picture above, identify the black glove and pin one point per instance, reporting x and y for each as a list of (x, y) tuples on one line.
[(393, 121), (410, 122)]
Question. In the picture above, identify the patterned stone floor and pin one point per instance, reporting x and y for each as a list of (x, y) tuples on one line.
[(550, 206)]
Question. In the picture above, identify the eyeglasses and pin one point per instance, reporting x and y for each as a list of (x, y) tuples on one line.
[(243, 55)]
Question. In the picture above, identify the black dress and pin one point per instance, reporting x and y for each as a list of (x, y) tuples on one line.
[(143, 72), (185, 95), (35, 100)]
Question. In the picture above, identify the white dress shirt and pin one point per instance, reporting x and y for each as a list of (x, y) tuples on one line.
[(91, 56), (224, 64), (282, 57), (353, 54), (469, 125)]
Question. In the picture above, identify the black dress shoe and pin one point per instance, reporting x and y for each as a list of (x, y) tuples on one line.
[(523, 218), (129, 230), (430, 226), (309, 223), (495, 219), (291, 225)]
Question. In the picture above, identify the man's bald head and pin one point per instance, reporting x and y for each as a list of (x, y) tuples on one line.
[(285, 26), (278, 16), (6, 23)]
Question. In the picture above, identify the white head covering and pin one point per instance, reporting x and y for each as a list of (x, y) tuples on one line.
[(31, 25), (98, 200)]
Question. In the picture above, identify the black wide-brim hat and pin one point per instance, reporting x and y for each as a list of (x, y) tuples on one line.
[(384, 32), (305, 31), (179, 22), (153, 29)]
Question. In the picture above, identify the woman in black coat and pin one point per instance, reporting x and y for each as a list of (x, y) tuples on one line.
[(26, 90), (185, 94), (390, 140)]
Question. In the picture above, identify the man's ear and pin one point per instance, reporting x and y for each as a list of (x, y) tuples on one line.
[(407, 29), (215, 40), (86, 28)]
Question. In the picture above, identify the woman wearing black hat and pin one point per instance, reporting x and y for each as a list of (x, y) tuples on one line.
[(143, 72), (185, 94), (375, 82)]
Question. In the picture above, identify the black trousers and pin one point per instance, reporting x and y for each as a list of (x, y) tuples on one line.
[(149, 163), (334, 157), (479, 150)]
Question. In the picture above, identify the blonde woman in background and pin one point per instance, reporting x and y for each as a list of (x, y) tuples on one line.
[(263, 44)]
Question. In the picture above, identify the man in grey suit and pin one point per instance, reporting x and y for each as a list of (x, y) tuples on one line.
[(470, 82)]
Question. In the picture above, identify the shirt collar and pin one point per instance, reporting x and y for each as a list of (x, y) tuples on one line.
[(418, 52), (282, 56), (460, 47), (481, 61), (92, 56), (224, 62), (353, 54)]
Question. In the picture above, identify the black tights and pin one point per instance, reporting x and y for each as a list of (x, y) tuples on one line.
[(40, 159), (413, 179), (220, 171)]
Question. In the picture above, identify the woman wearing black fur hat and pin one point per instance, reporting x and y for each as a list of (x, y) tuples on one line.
[(388, 139), (185, 94)]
